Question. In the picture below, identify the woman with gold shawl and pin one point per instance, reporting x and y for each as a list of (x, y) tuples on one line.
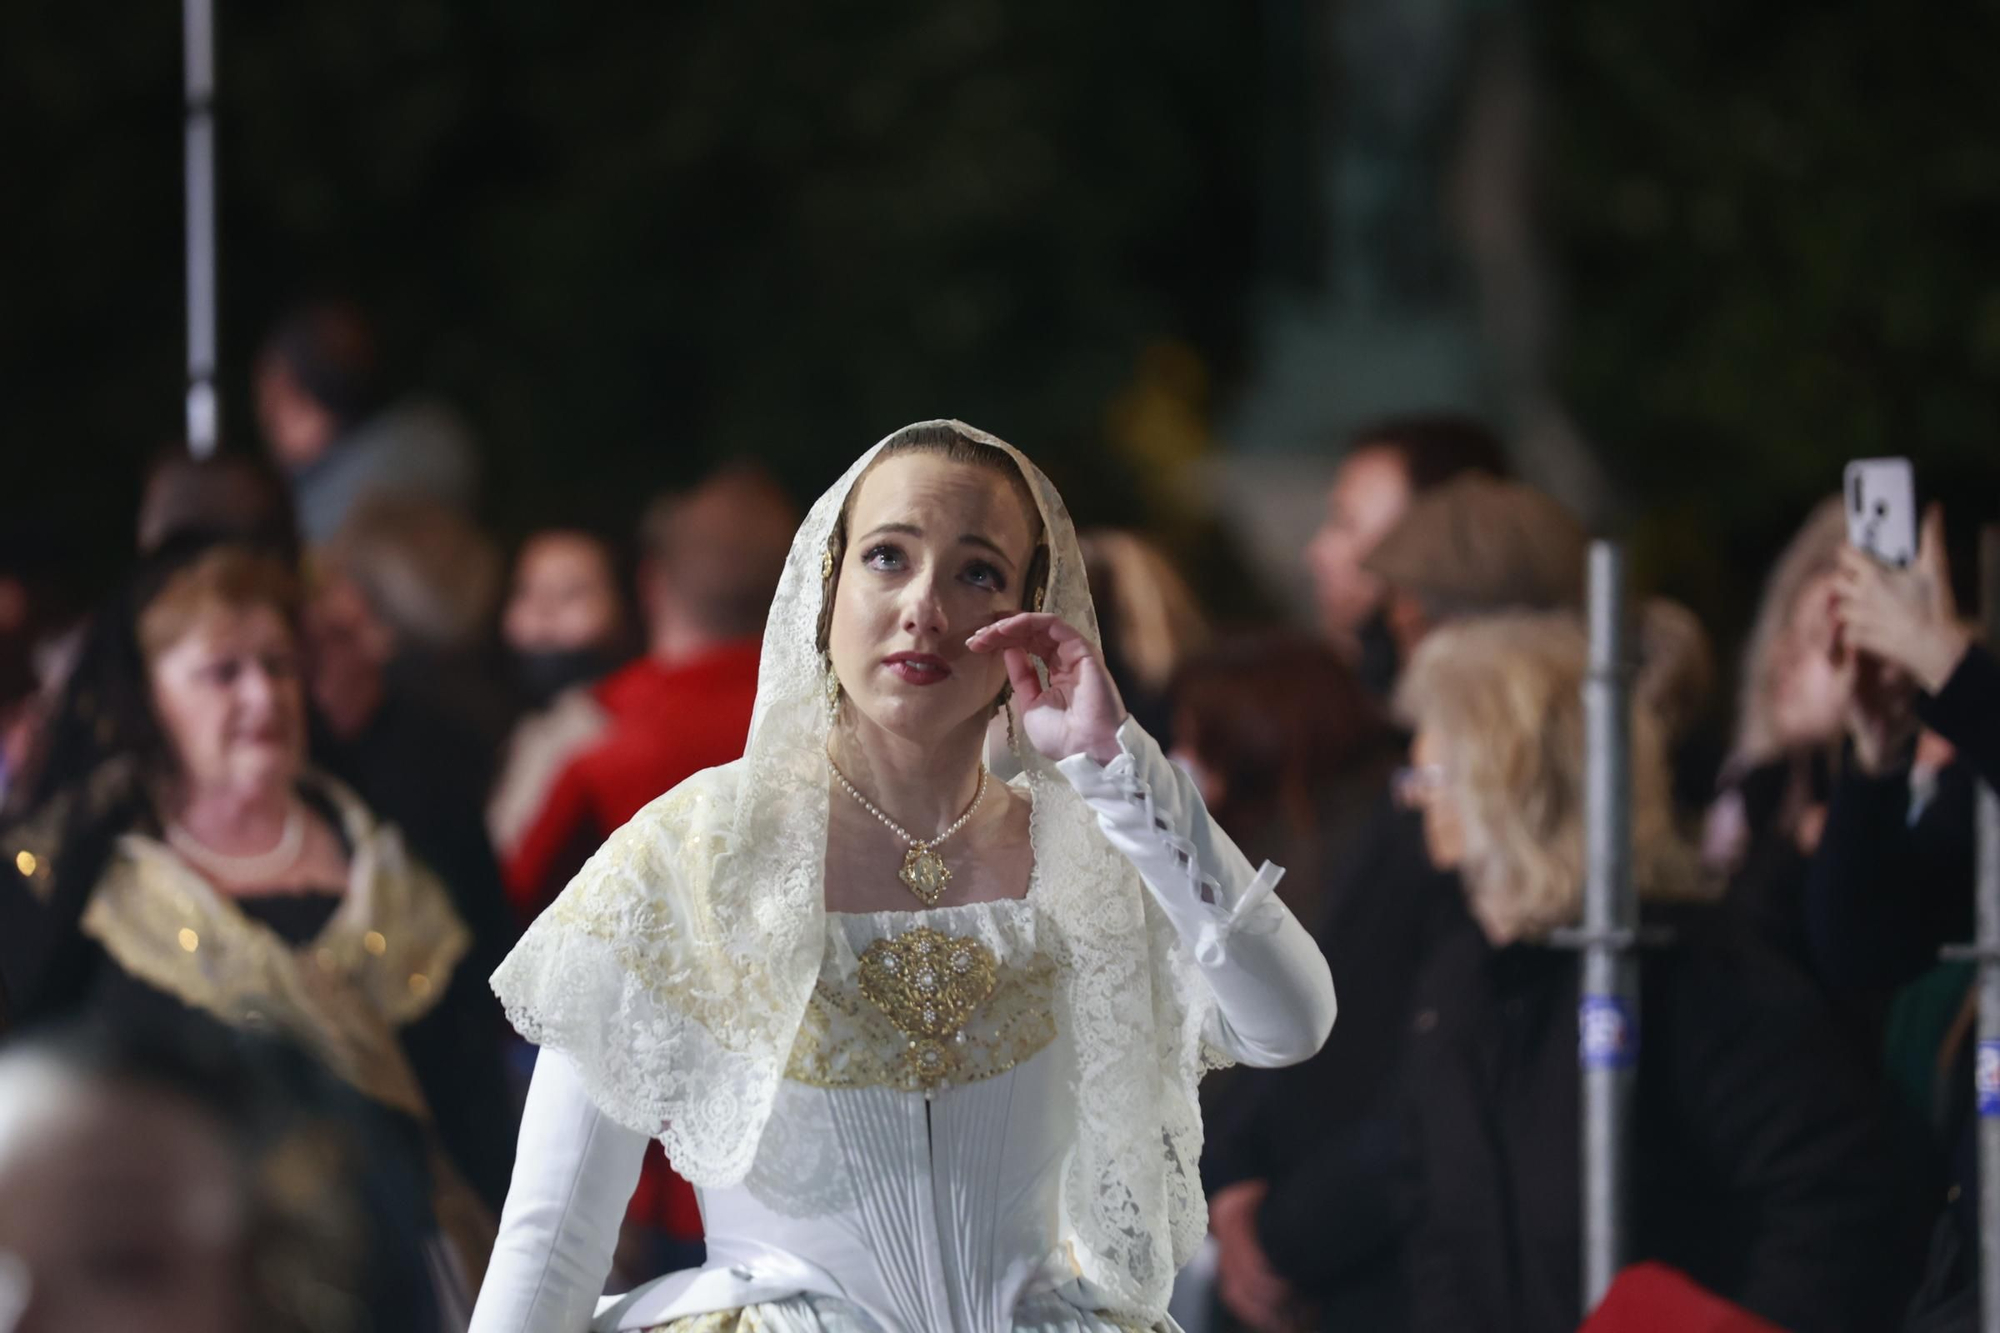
[(182, 866), (926, 1043)]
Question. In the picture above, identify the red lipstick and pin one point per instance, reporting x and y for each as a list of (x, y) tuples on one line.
[(918, 668)]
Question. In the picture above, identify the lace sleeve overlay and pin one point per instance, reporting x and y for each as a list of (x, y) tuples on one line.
[(677, 969)]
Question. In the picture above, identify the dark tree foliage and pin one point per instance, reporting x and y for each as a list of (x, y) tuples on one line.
[(1777, 225), (630, 238)]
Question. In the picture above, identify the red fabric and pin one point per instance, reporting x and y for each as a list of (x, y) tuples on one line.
[(1653, 1298), (667, 723)]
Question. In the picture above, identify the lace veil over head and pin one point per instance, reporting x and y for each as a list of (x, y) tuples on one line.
[(675, 969)]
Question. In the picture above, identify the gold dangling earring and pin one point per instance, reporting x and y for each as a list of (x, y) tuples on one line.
[(831, 685)]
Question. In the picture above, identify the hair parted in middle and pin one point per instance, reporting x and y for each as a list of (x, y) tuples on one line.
[(940, 440)]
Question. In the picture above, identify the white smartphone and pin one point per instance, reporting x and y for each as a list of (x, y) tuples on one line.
[(1882, 509)]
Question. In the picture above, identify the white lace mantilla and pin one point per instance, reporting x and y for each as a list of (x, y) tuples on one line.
[(677, 968)]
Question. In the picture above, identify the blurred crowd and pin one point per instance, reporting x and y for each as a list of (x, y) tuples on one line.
[(273, 810)]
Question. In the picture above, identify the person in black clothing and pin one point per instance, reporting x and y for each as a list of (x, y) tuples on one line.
[(1892, 881), (1762, 1166), (1469, 547), (1293, 757), (1307, 1255), (181, 866), (424, 767), (1770, 802), (1290, 752)]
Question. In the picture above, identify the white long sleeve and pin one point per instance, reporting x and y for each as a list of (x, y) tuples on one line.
[(574, 1172), (1271, 984)]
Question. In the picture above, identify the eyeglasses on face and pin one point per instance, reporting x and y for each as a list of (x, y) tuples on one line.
[(1417, 783)]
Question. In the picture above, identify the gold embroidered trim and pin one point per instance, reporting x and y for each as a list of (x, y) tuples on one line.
[(384, 959), (924, 1011), (745, 1320), (929, 984)]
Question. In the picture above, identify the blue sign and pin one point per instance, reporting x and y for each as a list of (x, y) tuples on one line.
[(1608, 1034), (1986, 1077)]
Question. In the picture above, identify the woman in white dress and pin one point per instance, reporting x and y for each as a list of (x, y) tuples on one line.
[(926, 1043)]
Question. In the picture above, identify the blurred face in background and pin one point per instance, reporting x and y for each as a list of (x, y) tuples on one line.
[(228, 694), (1370, 493), (1427, 789), (349, 646), (121, 1207), (564, 616), (297, 428), (565, 595), (1809, 685), (935, 550)]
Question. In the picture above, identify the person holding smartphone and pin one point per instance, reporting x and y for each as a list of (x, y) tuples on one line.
[(1908, 622), (1892, 879)]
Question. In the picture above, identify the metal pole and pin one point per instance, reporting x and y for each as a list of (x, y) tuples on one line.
[(1608, 1017), (1987, 1065), (198, 60)]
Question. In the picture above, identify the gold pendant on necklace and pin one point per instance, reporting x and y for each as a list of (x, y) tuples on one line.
[(925, 874)]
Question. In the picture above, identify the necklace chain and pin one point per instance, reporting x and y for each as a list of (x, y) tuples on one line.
[(281, 857), (919, 843)]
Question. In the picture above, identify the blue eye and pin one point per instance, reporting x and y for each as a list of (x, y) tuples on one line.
[(882, 557), (986, 575)]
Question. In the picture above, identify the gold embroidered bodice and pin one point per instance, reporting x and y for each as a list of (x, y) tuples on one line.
[(921, 1009)]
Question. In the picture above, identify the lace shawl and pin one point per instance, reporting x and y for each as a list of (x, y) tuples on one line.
[(676, 968)]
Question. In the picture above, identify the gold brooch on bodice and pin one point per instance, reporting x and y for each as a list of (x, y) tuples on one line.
[(929, 985)]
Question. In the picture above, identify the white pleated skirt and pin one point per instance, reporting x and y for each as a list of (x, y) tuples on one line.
[(1042, 1312)]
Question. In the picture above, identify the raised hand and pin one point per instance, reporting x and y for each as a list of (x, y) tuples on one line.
[(1078, 711), (1905, 617)]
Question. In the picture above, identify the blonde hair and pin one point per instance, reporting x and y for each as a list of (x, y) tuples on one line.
[(228, 578), (1676, 673), (1813, 552), (1145, 606), (1503, 696)]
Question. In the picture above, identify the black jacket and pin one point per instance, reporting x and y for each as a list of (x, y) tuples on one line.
[(52, 970), (1887, 891), (1323, 1133), (1762, 1163)]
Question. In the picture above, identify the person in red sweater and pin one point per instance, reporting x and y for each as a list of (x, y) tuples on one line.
[(709, 565)]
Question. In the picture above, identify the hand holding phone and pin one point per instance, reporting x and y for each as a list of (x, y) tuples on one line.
[(1881, 496), (1906, 617)]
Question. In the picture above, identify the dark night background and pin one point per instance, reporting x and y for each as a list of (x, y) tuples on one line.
[(627, 240)]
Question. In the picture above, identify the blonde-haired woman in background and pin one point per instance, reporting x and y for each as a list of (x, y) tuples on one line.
[(1792, 690), (1496, 705), (1761, 1169)]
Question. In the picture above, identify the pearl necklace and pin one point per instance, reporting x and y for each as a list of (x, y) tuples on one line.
[(260, 868), (924, 872)]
